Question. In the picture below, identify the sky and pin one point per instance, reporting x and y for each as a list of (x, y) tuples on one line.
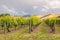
[(29, 7)]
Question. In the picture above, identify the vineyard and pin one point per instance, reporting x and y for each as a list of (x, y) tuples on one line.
[(8, 22), (29, 28)]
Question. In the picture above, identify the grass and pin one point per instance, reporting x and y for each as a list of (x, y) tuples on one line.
[(2, 37), (43, 29), (26, 36), (17, 36), (23, 34)]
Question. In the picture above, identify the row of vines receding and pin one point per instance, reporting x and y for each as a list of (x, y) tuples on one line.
[(7, 22)]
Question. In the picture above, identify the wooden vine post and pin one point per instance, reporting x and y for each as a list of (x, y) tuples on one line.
[(30, 26), (54, 26), (5, 29)]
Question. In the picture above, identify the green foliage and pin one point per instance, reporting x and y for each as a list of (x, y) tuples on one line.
[(14, 22), (35, 20), (58, 21), (11, 21), (19, 20), (50, 21)]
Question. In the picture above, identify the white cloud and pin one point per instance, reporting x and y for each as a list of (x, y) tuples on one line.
[(44, 10), (24, 13), (46, 7), (55, 4), (35, 7), (33, 2), (52, 4), (47, 4), (5, 8)]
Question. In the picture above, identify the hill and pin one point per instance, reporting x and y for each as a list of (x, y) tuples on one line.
[(44, 16)]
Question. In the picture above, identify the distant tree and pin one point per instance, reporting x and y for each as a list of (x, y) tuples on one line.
[(6, 14)]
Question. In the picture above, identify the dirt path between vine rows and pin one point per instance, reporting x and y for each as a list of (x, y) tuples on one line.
[(37, 29)]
